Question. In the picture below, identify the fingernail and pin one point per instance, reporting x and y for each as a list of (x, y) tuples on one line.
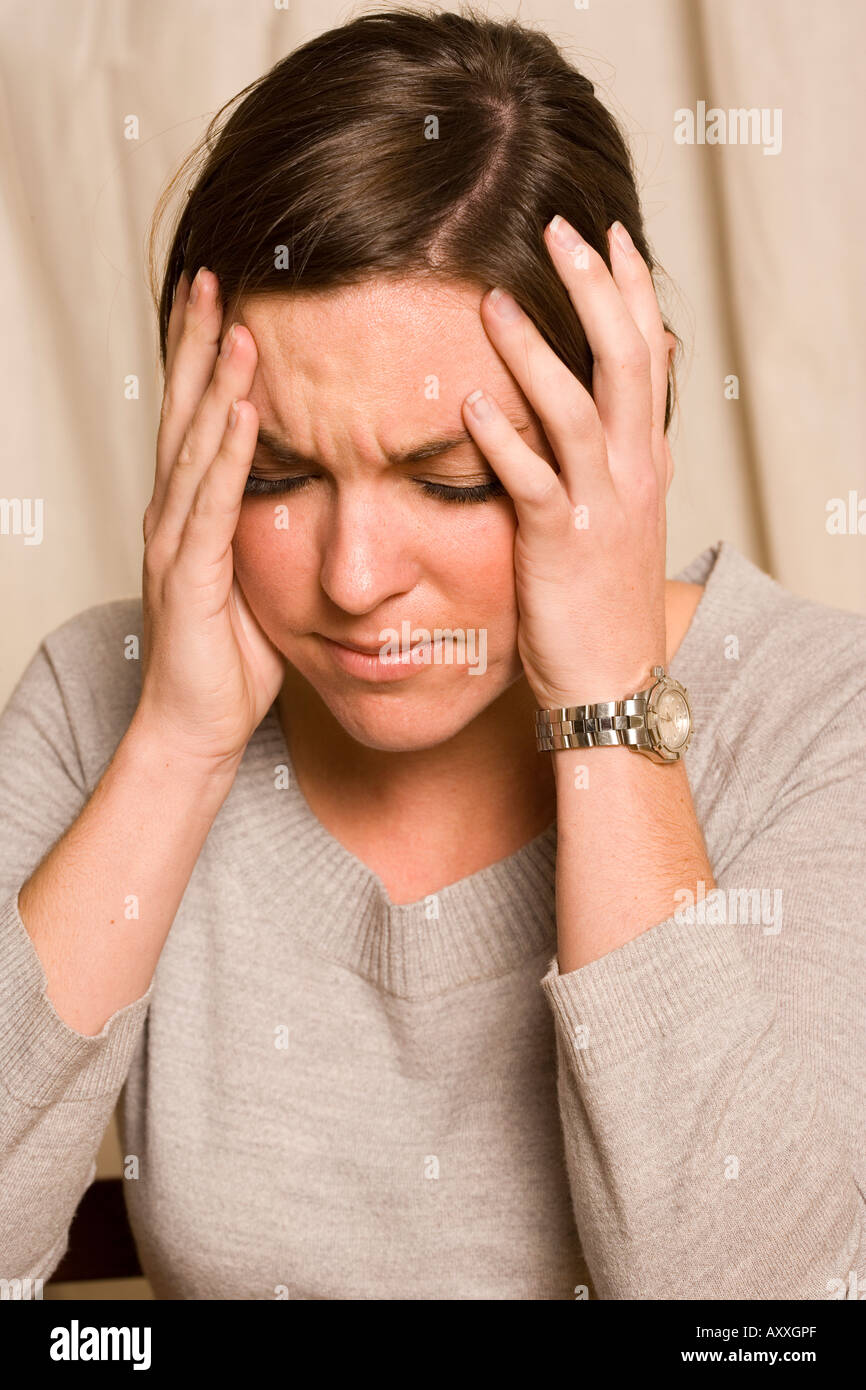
[(195, 287), (479, 405), (564, 234), (505, 306), (623, 240), (233, 414), (228, 342)]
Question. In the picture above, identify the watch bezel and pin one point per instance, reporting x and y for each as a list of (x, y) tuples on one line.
[(663, 684)]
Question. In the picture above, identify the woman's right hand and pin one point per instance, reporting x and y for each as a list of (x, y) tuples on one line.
[(209, 672)]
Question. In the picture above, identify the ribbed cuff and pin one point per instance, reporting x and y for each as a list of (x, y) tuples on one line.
[(43, 1059), (612, 1008)]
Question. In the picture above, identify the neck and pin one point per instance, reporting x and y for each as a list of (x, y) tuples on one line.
[(326, 758)]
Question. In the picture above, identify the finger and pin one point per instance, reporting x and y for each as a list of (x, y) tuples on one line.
[(632, 277), (621, 384), (669, 459), (669, 464), (191, 369), (561, 402), (175, 319), (540, 500), (232, 378), (216, 505)]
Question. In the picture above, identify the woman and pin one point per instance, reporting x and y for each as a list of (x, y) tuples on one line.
[(409, 995)]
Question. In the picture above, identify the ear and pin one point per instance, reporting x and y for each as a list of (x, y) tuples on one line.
[(671, 343)]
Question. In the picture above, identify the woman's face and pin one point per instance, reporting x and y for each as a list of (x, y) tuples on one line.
[(352, 380)]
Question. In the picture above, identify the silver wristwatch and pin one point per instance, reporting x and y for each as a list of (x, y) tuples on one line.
[(656, 722)]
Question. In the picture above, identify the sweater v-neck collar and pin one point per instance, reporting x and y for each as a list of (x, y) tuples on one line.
[(479, 927)]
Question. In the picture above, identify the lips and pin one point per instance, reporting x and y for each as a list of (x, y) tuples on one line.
[(358, 647)]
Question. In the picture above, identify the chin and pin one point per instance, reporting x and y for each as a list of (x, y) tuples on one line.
[(409, 721)]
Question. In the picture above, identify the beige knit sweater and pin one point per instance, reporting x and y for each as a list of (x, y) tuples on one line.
[(325, 1095)]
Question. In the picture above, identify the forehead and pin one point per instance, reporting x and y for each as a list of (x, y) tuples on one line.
[(395, 346)]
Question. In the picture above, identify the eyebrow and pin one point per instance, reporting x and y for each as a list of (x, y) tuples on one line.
[(284, 453)]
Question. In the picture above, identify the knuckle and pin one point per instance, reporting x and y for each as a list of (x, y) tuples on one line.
[(184, 455), (542, 489), (646, 486), (155, 558)]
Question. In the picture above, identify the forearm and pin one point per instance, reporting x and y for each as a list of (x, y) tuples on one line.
[(704, 1160), (628, 840), (100, 905), (711, 1076)]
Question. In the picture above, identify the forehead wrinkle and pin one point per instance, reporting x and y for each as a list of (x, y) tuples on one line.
[(285, 453), (389, 335), (374, 330)]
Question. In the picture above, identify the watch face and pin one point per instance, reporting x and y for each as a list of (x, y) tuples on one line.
[(672, 719)]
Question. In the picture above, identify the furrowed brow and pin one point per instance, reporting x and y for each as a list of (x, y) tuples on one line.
[(284, 453)]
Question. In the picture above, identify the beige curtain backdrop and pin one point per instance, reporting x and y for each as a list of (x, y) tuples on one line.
[(763, 250)]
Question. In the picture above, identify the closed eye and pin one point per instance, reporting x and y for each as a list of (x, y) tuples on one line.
[(478, 492)]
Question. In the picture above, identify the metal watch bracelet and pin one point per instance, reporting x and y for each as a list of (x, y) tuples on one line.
[(656, 722)]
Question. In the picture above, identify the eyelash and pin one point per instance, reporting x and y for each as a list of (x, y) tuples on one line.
[(481, 492)]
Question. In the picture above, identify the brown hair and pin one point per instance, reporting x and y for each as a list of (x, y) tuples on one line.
[(325, 174)]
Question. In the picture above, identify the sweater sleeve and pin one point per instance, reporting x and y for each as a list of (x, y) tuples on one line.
[(712, 1074), (58, 1087)]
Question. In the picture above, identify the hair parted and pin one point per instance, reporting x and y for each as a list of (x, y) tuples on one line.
[(323, 173)]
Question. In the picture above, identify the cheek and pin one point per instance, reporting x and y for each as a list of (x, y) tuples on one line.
[(272, 565), (478, 560)]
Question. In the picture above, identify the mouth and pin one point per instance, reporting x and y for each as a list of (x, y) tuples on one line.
[(367, 649), (369, 663)]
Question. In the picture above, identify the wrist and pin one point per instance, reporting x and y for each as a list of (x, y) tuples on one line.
[(590, 689), (614, 766), (655, 721), (147, 742)]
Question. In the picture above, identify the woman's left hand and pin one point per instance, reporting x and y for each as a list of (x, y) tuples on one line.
[(589, 551)]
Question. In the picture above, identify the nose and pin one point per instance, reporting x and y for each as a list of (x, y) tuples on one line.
[(367, 555)]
